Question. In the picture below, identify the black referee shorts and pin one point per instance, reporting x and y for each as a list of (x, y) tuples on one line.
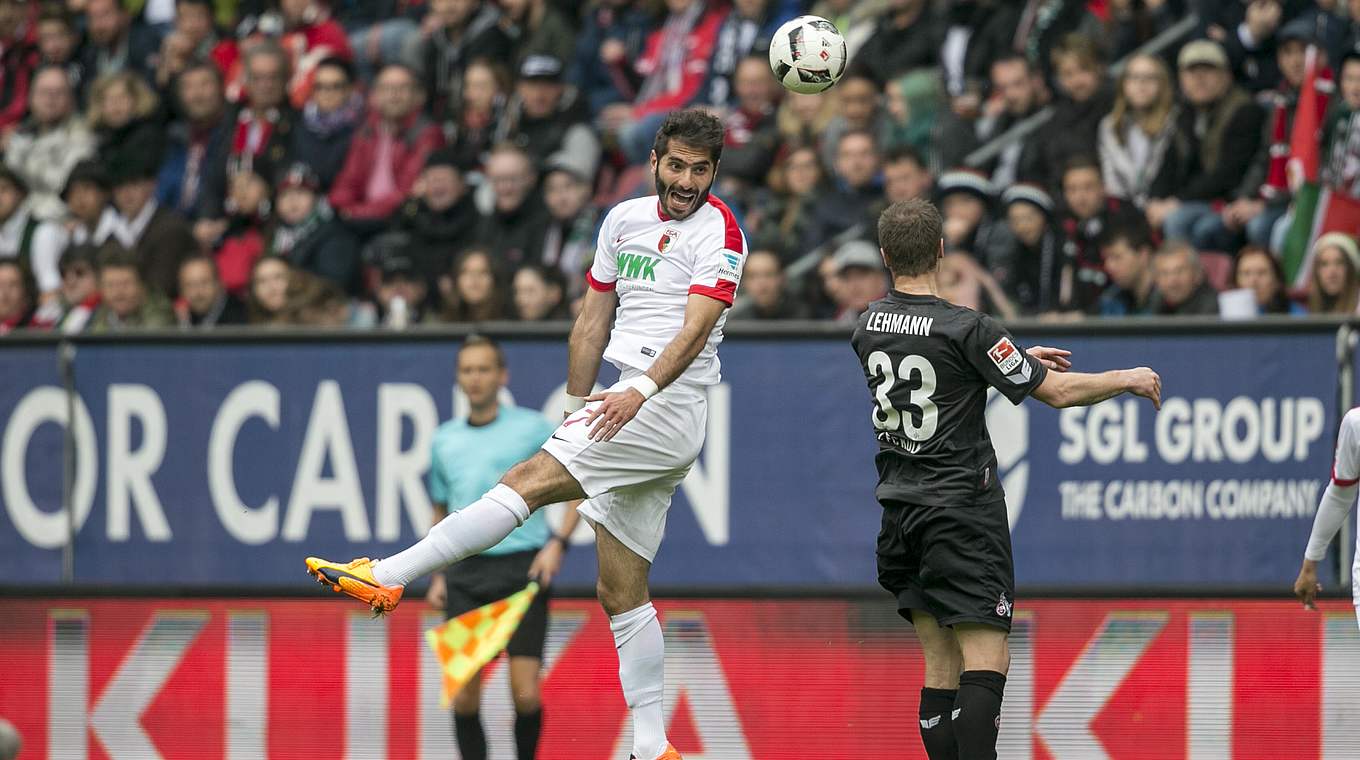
[(953, 562), (487, 578)]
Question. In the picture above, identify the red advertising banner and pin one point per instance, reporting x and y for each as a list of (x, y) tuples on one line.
[(760, 680)]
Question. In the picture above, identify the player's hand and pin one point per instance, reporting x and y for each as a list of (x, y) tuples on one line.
[(1306, 588), (616, 409), (438, 594), (1146, 383), (547, 563), (1053, 358)]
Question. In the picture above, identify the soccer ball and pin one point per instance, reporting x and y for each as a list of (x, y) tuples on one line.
[(807, 54)]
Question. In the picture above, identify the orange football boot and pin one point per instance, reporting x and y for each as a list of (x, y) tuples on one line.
[(356, 579)]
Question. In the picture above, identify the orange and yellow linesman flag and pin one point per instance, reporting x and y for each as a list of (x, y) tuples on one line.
[(471, 640)]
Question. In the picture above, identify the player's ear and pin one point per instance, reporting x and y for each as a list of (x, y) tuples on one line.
[(941, 253), (654, 159)]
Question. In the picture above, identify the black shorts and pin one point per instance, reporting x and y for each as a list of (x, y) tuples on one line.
[(953, 562), (487, 578)]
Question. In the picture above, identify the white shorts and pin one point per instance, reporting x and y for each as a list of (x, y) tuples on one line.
[(630, 479)]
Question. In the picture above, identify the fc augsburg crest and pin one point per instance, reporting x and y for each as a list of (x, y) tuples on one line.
[(667, 239)]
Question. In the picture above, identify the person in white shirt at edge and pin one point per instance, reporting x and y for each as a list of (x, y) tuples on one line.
[(1331, 512), (669, 265)]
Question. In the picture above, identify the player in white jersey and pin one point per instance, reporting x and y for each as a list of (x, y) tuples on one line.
[(666, 269), (1331, 513)]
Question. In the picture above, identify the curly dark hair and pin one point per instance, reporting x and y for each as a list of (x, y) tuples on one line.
[(693, 127)]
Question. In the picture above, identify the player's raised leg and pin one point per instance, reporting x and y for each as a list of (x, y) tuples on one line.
[(943, 663), (529, 485)]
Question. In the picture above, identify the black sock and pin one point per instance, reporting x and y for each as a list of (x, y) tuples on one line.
[(527, 728), (937, 728), (467, 729), (978, 713)]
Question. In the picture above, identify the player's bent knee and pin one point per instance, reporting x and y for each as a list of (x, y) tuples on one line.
[(542, 480)]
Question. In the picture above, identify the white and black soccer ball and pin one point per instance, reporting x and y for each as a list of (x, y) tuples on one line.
[(807, 54)]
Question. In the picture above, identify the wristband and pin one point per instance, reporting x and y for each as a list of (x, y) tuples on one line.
[(574, 404), (561, 540), (644, 385)]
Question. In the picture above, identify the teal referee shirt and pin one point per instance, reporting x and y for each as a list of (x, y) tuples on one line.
[(467, 460)]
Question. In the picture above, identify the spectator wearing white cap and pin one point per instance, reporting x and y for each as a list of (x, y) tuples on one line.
[(1223, 126), (1260, 197), (1334, 287), (1038, 273), (862, 278), (547, 116)]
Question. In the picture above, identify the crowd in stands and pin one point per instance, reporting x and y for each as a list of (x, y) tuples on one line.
[(391, 162)]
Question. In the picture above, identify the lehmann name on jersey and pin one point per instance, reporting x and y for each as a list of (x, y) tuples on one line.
[(893, 322)]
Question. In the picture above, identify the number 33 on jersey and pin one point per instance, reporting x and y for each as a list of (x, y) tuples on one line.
[(928, 365)]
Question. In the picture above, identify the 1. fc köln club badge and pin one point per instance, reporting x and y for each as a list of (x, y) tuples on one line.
[(667, 240)]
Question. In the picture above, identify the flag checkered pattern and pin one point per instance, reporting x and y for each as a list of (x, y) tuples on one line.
[(471, 640)]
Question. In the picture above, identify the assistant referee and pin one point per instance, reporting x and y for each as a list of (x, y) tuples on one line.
[(468, 457)]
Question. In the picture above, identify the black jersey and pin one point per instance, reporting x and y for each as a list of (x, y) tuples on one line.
[(928, 364)]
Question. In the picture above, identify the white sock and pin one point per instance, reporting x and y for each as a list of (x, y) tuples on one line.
[(642, 659), (471, 530)]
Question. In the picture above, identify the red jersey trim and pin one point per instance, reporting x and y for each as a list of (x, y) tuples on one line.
[(731, 230), (603, 287), (724, 291), (661, 212), (1343, 482)]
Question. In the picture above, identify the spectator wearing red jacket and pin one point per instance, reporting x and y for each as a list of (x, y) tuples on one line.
[(387, 153), (673, 69)]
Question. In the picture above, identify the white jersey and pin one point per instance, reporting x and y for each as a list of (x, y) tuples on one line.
[(655, 263), (1338, 498)]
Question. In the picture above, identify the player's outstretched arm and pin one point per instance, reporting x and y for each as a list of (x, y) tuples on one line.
[(585, 348), (1331, 513), (1064, 389), (701, 314)]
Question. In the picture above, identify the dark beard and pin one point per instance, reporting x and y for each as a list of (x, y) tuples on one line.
[(663, 190)]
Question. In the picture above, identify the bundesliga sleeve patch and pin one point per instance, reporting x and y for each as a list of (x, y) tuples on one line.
[(1010, 360), (1005, 356)]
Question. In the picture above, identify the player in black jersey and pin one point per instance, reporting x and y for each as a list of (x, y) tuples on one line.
[(944, 549)]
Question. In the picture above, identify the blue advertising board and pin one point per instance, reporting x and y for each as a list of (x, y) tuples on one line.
[(223, 465)]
